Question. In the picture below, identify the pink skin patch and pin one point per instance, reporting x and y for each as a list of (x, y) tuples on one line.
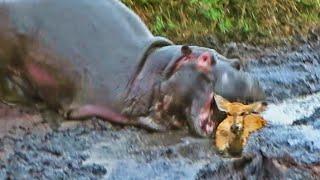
[(102, 112), (182, 61), (206, 124), (40, 76), (204, 62)]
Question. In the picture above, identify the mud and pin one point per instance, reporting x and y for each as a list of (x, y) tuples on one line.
[(287, 74), (289, 147)]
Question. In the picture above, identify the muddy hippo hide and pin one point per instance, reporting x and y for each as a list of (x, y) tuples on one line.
[(87, 59)]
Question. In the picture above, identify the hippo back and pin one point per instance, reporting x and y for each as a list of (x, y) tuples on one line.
[(105, 42)]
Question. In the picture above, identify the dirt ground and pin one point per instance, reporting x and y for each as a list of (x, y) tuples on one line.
[(289, 147)]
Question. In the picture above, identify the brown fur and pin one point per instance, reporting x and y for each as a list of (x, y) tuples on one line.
[(228, 141)]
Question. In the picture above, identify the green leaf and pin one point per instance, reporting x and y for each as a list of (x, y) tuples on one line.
[(213, 14), (225, 25)]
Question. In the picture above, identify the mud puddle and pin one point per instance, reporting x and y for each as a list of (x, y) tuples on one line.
[(137, 155)]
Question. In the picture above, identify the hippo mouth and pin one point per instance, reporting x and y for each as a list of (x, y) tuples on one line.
[(200, 120), (189, 84)]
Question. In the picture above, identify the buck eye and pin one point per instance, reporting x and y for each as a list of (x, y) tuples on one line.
[(254, 112), (242, 114), (229, 114)]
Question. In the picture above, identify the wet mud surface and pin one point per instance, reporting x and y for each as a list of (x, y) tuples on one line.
[(289, 147), (288, 73)]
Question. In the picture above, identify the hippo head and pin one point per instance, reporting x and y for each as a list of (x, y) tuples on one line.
[(187, 92), (184, 92), (234, 84), (228, 78)]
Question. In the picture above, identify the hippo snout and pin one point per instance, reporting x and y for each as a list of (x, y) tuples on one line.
[(238, 86), (200, 116), (256, 92)]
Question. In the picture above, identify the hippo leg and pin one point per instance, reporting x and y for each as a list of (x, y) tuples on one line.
[(107, 114), (103, 112)]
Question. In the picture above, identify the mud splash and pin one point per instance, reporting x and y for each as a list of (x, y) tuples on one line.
[(289, 147)]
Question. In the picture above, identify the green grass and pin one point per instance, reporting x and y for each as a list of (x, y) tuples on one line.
[(255, 21)]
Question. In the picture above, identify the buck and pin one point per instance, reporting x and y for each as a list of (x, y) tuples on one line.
[(233, 132)]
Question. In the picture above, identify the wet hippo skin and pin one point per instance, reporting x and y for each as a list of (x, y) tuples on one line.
[(83, 59)]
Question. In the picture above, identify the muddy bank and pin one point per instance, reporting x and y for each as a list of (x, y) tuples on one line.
[(287, 148), (288, 74)]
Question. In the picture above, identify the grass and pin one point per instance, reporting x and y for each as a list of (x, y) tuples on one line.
[(254, 21)]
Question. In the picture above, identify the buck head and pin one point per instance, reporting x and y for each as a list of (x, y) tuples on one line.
[(238, 112)]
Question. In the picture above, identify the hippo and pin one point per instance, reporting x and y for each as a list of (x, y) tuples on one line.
[(79, 59)]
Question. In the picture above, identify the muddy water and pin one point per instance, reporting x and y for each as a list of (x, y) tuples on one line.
[(138, 155), (288, 73), (288, 147)]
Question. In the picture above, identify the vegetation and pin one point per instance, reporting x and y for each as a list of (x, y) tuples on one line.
[(255, 21)]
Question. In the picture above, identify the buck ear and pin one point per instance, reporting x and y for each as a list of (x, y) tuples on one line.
[(258, 107), (222, 103)]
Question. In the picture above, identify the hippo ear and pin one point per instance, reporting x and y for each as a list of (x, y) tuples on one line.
[(222, 103), (236, 64), (257, 107), (186, 50)]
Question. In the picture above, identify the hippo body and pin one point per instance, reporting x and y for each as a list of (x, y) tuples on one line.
[(85, 59), (108, 52)]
